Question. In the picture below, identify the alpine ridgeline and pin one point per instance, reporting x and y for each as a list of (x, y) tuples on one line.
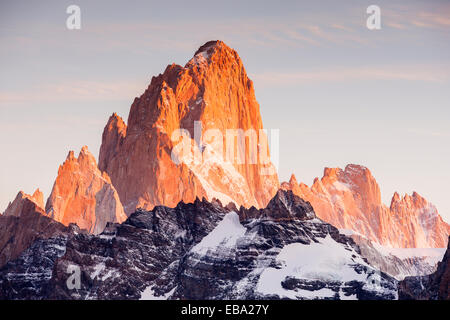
[(201, 250), (351, 199)]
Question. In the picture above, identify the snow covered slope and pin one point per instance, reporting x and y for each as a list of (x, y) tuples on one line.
[(398, 262)]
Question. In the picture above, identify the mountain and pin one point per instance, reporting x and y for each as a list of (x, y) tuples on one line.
[(20, 204), (435, 286), (398, 262), (423, 219), (135, 227), (22, 223), (351, 199), (84, 195), (201, 250), (280, 252), (213, 91)]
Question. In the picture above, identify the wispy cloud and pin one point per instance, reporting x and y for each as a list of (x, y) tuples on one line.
[(181, 35), (396, 25), (342, 74), (121, 90), (73, 91), (436, 134), (434, 16)]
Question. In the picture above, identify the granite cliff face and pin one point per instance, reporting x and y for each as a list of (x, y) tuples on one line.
[(212, 89), (420, 219), (351, 199), (84, 195)]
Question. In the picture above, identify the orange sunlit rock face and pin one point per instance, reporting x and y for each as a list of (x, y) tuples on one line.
[(213, 88), (351, 199), (82, 194)]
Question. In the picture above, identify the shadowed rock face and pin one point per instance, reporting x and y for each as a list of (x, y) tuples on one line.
[(200, 250), (213, 87), (351, 199), (257, 262), (19, 230), (435, 286), (84, 195), (283, 206), (20, 204), (117, 264)]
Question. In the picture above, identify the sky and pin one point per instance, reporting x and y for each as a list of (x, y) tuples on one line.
[(338, 92)]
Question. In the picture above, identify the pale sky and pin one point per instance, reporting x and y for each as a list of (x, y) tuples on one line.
[(338, 92)]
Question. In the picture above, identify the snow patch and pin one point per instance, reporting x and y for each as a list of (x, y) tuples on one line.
[(341, 186), (149, 294), (98, 268), (324, 261), (223, 237)]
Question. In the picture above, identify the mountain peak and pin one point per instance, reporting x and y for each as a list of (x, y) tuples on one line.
[(293, 180), (395, 197), (330, 175), (417, 196), (38, 197), (212, 44), (286, 205), (213, 89), (414, 200), (70, 156), (356, 168), (24, 203), (351, 199), (86, 156), (84, 195), (116, 121), (215, 52), (114, 132)]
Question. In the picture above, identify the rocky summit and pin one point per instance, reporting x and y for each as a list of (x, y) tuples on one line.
[(212, 88), (84, 195)]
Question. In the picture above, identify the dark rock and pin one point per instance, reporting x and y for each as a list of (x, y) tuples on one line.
[(435, 286)]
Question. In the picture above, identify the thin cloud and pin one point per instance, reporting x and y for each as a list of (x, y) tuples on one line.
[(418, 73), (403, 17), (396, 25), (121, 90), (342, 27), (73, 91), (181, 34)]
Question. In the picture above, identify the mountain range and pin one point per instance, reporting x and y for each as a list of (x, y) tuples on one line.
[(135, 225)]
